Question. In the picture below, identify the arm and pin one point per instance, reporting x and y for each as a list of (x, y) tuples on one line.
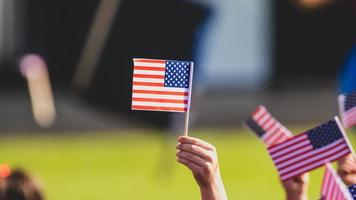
[(201, 158), (297, 187)]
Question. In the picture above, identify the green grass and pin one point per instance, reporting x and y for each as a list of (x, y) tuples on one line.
[(130, 165)]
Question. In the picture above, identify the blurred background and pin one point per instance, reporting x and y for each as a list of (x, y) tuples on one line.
[(65, 92)]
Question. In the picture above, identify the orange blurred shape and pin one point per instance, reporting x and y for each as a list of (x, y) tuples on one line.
[(313, 3), (5, 171)]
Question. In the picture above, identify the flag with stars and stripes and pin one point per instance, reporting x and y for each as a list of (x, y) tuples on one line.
[(347, 104), (352, 190), (310, 150), (161, 85), (266, 127), (332, 187)]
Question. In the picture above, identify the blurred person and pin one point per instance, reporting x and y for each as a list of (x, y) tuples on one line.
[(18, 185), (201, 158), (348, 75), (347, 165)]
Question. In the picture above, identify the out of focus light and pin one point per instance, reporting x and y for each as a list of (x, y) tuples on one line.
[(34, 69), (5, 171), (313, 3)]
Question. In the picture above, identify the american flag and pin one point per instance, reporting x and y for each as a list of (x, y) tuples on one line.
[(352, 190), (267, 127), (161, 85), (347, 104), (333, 188), (310, 150)]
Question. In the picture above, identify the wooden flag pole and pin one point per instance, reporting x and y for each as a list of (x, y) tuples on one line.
[(345, 135), (187, 114), (186, 124)]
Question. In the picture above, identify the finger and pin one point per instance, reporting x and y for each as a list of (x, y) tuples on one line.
[(349, 179), (346, 158), (303, 178), (192, 166), (206, 154), (192, 157), (195, 141)]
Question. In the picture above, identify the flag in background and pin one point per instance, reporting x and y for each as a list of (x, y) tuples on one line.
[(161, 85), (266, 127), (347, 104), (310, 150), (332, 187)]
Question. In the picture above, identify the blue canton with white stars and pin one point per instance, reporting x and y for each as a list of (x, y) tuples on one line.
[(324, 134), (177, 74), (350, 101), (352, 190)]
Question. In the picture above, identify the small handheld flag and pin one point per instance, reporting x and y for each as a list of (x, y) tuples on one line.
[(266, 127), (310, 150), (162, 85), (332, 187), (347, 106)]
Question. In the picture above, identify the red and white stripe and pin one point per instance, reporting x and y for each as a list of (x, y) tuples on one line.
[(275, 132), (148, 91), (348, 117), (297, 156), (333, 188)]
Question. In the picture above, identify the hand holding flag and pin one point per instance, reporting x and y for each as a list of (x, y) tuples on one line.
[(310, 150), (272, 132), (201, 158), (347, 169), (332, 187)]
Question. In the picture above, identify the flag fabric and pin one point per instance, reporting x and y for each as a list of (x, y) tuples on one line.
[(311, 149), (266, 127), (161, 85), (352, 190), (347, 104), (332, 187)]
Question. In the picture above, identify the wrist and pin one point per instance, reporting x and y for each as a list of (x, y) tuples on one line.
[(297, 196), (213, 191)]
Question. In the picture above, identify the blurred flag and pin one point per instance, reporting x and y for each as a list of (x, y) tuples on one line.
[(310, 150), (347, 104), (352, 190), (161, 85), (34, 68), (267, 127), (333, 188)]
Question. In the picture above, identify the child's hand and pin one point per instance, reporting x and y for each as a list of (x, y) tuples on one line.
[(201, 158), (297, 187), (347, 169)]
